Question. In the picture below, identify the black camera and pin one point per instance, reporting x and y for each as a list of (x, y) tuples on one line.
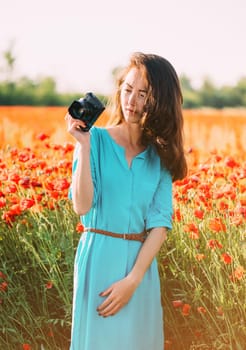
[(86, 109)]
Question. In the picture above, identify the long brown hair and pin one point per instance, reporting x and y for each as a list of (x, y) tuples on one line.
[(162, 122)]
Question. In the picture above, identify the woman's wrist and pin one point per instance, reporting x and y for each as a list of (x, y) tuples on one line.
[(84, 145), (135, 278)]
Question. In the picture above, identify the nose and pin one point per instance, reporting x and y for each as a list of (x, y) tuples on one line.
[(132, 99)]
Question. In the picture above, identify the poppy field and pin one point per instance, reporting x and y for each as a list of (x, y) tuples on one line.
[(201, 265)]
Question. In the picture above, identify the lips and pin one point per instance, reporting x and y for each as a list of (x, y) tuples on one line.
[(130, 110)]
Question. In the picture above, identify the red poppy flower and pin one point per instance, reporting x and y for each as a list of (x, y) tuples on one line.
[(13, 152), (177, 303), (202, 198), (14, 199), (42, 136), (230, 162), (238, 273), (25, 182), (226, 258), (213, 244), (216, 225), (191, 227), (2, 202), (11, 188), (65, 164), (200, 257), (8, 218), (177, 215), (4, 286), (79, 227), (23, 157), (199, 213), (54, 194), (57, 147), (35, 183), (61, 185), (68, 147), (26, 203), (50, 333), (3, 276), (15, 209), (14, 177), (222, 205), (201, 310), (26, 347), (186, 309), (49, 185), (218, 194), (38, 197), (49, 285)]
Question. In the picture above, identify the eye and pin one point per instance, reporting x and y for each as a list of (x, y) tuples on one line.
[(142, 94), (126, 90)]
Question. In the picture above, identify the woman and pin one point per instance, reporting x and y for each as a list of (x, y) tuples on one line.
[(122, 188)]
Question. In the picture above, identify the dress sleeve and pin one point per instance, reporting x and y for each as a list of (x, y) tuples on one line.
[(93, 163), (161, 209)]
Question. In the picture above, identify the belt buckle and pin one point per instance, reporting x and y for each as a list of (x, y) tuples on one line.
[(124, 235)]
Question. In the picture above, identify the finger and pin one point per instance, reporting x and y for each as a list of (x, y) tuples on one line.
[(106, 292), (80, 123), (104, 305), (111, 311), (108, 309), (75, 125)]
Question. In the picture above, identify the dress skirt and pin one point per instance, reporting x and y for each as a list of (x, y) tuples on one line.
[(101, 261)]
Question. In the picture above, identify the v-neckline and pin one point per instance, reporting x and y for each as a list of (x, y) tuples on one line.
[(122, 148)]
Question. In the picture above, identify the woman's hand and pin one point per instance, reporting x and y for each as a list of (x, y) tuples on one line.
[(118, 295), (73, 127)]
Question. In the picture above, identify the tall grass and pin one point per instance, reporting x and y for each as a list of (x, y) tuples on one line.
[(38, 241), (202, 266), (37, 259)]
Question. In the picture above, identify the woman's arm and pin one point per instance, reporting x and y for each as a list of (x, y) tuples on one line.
[(82, 185), (147, 253), (119, 293)]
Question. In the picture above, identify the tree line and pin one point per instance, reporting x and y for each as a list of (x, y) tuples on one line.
[(209, 95), (43, 92)]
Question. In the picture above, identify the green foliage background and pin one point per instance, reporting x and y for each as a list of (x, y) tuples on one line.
[(43, 92)]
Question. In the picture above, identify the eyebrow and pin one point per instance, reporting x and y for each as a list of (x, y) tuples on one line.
[(132, 87)]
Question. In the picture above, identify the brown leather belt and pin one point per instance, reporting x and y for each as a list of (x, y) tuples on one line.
[(128, 236)]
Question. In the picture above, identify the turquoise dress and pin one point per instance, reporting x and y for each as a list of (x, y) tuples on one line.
[(126, 200)]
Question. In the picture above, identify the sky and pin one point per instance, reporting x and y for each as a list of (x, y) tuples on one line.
[(79, 43)]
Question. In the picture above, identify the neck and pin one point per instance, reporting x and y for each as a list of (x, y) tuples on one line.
[(131, 133)]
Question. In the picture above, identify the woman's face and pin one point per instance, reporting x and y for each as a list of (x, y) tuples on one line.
[(133, 95)]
